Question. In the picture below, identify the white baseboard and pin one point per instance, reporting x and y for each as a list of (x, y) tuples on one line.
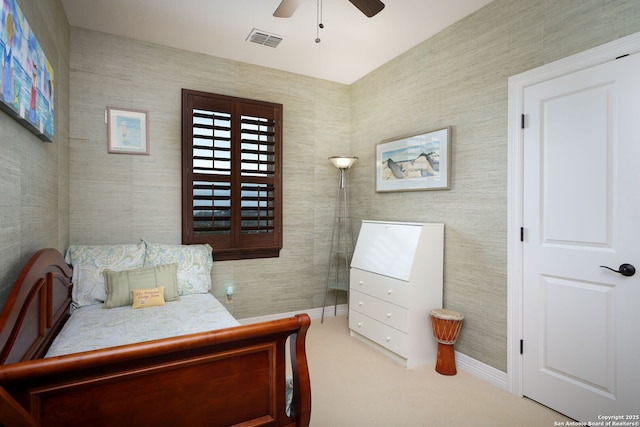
[(474, 367), (481, 370), (314, 313)]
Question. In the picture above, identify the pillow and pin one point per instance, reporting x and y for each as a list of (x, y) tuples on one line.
[(148, 297), (119, 284), (194, 265), (89, 263)]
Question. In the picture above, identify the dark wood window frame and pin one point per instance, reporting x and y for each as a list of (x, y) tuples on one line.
[(232, 175)]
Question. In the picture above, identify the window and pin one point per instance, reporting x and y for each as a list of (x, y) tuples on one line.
[(231, 175)]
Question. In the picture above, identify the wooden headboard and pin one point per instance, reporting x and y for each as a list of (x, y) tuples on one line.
[(36, 309)]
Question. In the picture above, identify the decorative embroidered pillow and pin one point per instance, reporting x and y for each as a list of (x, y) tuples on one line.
[(148, 297), (89, 263), (120, 284), (194, 265)]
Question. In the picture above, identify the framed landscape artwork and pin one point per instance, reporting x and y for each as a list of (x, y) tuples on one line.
[(27, 76), (417, 162)]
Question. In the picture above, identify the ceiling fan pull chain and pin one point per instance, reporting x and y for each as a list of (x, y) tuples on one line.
[(319, 20)]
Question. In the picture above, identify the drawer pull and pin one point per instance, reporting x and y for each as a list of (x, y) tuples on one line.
[(388, 315), (389, 292), (388, 339), (360, 283), (360, 303), (359, 324)]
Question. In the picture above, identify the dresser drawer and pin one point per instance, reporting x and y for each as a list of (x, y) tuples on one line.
[(385, 288), (379, 333), (382, 311)]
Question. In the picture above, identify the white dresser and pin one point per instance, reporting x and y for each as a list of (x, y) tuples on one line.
[(395, 282)]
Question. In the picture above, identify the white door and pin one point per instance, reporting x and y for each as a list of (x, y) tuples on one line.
[(581, 322)]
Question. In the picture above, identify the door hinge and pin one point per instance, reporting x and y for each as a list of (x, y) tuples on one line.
[(521, 346), (522, 234), (522, 121)]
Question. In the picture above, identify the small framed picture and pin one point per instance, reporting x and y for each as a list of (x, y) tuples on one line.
[(127, 131), (417, 162)]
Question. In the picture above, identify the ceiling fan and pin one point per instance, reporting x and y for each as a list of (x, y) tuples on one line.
[(368, 7)]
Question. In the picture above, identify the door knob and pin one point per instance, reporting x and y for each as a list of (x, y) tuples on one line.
[(624, 269)]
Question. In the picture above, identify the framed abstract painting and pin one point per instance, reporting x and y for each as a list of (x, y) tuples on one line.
[(27, 76)]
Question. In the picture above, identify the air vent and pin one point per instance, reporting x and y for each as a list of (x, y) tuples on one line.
[(264, 38)]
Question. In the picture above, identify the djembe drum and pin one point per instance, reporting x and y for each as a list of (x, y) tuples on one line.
[(446, 326)]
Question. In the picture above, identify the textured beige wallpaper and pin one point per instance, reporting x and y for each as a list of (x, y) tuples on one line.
[(459, 78), (34, 175)]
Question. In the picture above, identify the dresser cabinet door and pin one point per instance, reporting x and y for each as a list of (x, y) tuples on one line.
[(387, 248), (385, 288)]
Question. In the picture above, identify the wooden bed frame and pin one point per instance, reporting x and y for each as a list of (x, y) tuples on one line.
[(227, 377)]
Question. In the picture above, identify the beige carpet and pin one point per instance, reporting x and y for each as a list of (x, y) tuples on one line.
[(354, 385)]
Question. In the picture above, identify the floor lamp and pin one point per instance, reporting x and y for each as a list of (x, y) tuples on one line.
[(341, 237)]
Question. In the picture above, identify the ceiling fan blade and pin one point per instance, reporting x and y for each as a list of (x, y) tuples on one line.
[(286, 8), (368, 7)]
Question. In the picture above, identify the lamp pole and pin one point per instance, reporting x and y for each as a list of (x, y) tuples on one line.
[(340, 253)]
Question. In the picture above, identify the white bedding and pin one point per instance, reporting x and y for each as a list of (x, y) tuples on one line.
[(93, 327)]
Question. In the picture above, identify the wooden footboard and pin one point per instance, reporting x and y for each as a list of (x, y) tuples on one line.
[(233, 376)]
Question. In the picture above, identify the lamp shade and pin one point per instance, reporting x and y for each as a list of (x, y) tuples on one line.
[(343, 162)]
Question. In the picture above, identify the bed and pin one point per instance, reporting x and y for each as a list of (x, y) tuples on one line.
[(240, 375)]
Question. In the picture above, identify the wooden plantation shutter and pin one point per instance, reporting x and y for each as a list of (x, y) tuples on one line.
[(232, 182)]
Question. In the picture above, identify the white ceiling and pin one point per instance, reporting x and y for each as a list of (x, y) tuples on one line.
[(351, 46)]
